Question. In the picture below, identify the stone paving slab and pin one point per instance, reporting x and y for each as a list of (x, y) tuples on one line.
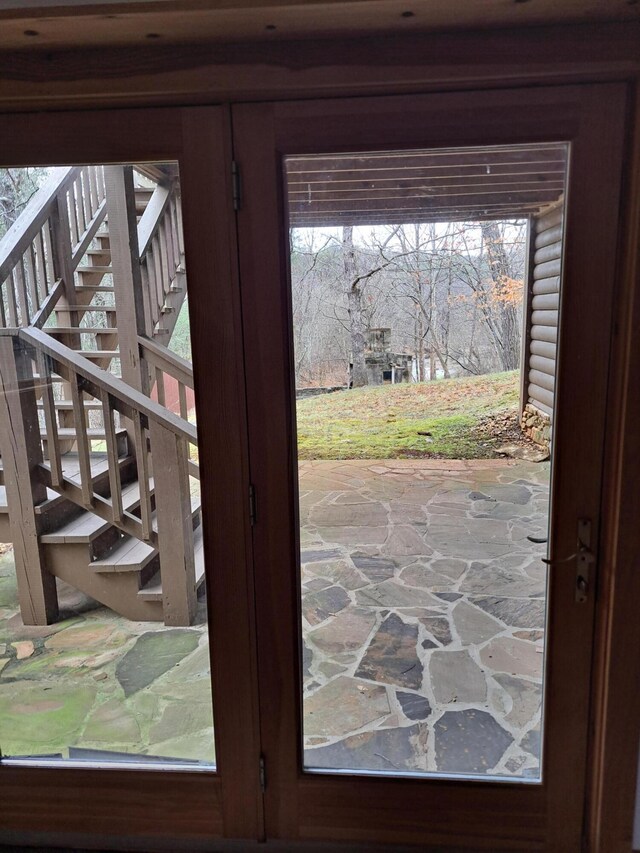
[(423, 609), (443, 610), (96, 681)]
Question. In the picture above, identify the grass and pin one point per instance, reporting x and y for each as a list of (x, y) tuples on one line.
[(384, 422)]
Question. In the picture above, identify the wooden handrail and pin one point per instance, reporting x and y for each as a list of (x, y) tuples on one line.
[(126, 399), (41, 317), (166, 361), (17, 239), (92, 228), (47, 241), (161, 253), (150, 219), (156, 432)]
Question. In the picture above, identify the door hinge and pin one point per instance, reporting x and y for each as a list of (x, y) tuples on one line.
[(236, 186), (263, 775), (252, 504)]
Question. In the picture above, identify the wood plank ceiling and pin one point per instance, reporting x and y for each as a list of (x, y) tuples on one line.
[(424, 186), (73, 23)]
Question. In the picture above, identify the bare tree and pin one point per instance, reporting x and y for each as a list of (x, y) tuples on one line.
[(17, 186), (355, 284), (505, 305), (432, 284), (357, 326)]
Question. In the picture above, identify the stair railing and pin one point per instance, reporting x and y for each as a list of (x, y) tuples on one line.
[(162, 265), (163, 363), (43, 247), (167, 364), (157, 433)]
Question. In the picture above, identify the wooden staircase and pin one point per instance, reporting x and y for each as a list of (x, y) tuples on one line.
[(93, 279)]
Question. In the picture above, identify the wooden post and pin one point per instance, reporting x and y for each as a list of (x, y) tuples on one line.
[(63, 269), (175, 525), (127, 280), (21, 454)]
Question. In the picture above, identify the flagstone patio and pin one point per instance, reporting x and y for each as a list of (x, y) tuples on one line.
[(423, 615), (96, 686)]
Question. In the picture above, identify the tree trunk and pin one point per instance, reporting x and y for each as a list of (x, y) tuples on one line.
[(357, 325), (505, 309), (445, 366), (432, 364), (418, 336)]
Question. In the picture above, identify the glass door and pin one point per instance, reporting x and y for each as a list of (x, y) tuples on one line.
[(424, 499), (426, 293), (125, 612)]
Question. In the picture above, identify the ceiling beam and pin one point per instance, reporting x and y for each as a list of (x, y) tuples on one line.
[(400, 160), (366, 182), (365, 193), (513, 198), (336, 220), (50, 24)]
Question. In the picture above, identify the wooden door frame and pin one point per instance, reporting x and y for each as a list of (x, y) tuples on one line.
[(149, 803), (432, 62), (322, 67), (485, 815), (616, 737)]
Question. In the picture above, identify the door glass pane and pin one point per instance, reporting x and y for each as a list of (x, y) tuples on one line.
[(425, 295), (104, 653)]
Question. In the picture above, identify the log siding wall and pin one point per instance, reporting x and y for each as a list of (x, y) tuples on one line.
[(545, 303)]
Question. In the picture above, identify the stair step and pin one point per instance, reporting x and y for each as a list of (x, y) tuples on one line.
[(94, 288), (152, 590), (98, 434), (130, 555), (51, 496), (67, 405), (93, 270), (80, 330), (98, 353), (88, 526), (99, 251), (196, 505), (108, 309)]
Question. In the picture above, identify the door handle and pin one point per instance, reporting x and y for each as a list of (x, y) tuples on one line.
[(583, 556)]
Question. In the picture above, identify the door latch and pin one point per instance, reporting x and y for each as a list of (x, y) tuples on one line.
[(583, 556)]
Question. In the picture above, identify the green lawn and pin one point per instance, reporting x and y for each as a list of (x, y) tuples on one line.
[(384, 422)]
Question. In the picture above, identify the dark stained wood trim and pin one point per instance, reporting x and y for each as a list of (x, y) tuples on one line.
[(615, 724), (249, 71), (484, 815), (111, 802), (76, 22), (216, 343)]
